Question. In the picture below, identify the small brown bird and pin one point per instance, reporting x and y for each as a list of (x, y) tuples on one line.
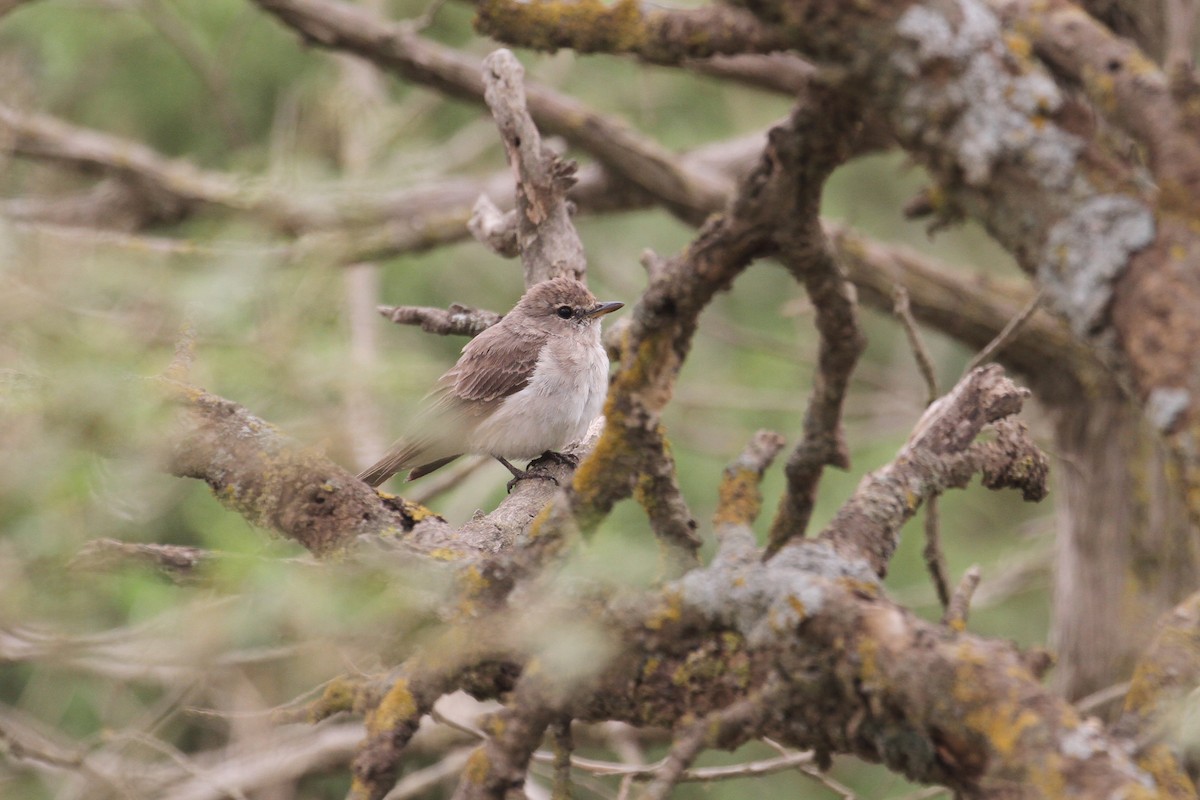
[(531, 383)]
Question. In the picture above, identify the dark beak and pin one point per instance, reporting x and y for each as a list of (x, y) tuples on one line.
[(601, 309)]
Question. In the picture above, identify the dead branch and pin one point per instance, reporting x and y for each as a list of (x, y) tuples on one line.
[(940, 455), (457, 320), (546, 237)]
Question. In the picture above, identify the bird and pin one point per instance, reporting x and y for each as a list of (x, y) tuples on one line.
[(528, 385)]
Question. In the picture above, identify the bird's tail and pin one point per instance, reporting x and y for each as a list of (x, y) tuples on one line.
[(401, 457)]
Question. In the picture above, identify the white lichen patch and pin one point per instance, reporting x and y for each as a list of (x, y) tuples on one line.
[(1088, 740), (1165, 405), (981, 103), (1086, 251), (764, 601)]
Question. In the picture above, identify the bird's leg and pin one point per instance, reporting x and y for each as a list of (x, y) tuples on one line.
[(523, 474)]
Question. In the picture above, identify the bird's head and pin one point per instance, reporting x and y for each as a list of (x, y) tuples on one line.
[(563, 304)]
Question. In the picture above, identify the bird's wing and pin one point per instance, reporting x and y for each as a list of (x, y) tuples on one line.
[(495, 364)]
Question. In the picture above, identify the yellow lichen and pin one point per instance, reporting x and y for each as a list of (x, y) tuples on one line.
[(397, 707), (669, 611), (739, 500), (1018, 45), (477, 767)]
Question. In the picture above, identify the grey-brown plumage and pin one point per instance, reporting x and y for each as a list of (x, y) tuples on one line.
[(530, 383)]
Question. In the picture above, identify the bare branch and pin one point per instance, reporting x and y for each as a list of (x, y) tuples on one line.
[(457, 320), (939, 455), (722, 728), (827, 122), (903, 311), (935, 559), (658, 492), (1006, 335), (177, 561), (493, 228), (740, 499), (959, 605), (546, 238)]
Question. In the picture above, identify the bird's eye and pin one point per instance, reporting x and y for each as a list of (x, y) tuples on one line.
[(566, 312)]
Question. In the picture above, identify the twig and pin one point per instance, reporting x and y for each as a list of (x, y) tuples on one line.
[(734, 722), (563, 746), (457, 320), (935, 559), (959, 605), (749, 769), (658, 492), (903, 311), (176, 561), (422, 781), (1007, 334), (494, 229), (428, 16), (739, 496), (1097, 699)]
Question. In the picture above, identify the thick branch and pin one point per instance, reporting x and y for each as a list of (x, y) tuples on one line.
[(270, 481), (1123, 84)]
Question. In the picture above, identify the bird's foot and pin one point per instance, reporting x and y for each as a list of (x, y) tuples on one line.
[(524, 474), (550, 457)]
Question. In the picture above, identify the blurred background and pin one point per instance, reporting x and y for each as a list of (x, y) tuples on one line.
[(119, 665)]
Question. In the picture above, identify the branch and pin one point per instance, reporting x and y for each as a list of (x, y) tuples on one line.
[(1167, 673), (180, 563), (740, 499), (1123, 84), (938, 455), (773, 212), (457, 320), (546, 238), (269, 480), (395, 47), (656, 35)]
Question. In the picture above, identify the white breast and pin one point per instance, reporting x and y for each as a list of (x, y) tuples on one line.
[(564, 395)]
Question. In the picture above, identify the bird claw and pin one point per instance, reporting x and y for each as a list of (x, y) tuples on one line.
[(566, 459), (526, 475)]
